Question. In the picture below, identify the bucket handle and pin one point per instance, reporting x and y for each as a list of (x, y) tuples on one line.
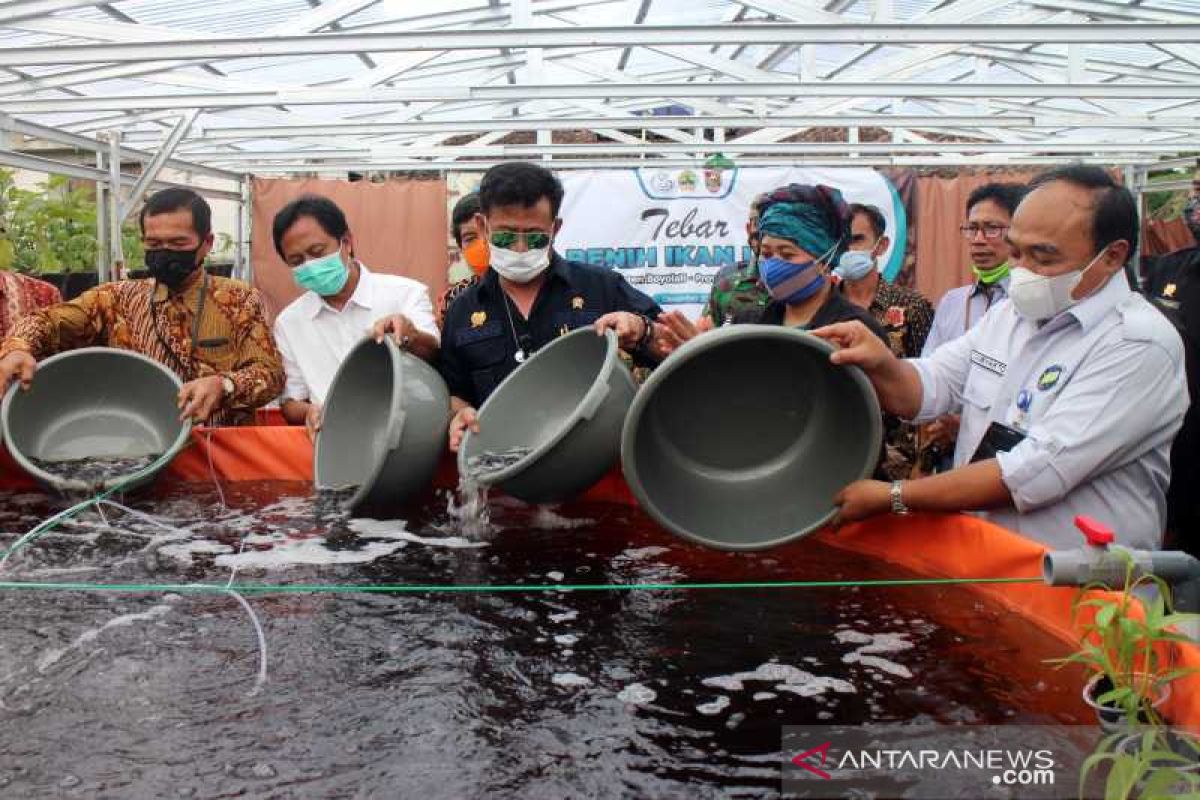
[(593, 400)]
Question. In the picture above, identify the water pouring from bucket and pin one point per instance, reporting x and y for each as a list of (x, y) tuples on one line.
[(93, 418), (553, 427), (383, 429)]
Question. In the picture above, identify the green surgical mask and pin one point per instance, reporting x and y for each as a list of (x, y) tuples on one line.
[(325, 276), (989, 276)]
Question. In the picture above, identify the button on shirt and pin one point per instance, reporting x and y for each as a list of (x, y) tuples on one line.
[(314, 337), (1098, 392), (960, 309), (484, 330)]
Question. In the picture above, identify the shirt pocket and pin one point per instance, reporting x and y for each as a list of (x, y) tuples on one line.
[(981, 388), (487, 360)]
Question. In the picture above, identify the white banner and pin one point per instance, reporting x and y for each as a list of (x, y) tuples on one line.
[(669, 231)]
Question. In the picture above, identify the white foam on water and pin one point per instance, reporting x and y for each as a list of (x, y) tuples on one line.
[(555, 576), (637, 694), (183, 551), (645, 552), (307, 551), (547, 518), (882, 664), (567, 639), (872, 645), (715, 707), (765, 695), (52, 657), (396, 530), (565, 616), (786, 678), (569, 680)]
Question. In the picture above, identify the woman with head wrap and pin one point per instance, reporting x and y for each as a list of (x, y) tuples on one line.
[(803, 230), (802, 236)]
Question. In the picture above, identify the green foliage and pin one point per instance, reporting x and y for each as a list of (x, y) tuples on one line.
[(54, 229), (1149, 766), (1147, 760), (1131, 652)]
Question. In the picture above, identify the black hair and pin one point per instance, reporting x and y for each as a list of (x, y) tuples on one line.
[(177, 199), (1114, 214), (874, 217), (464, 211), (519, 183), (1006, 195), (322, 209)]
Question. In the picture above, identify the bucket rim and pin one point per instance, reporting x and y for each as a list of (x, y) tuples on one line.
[(599, 386), (73, 484), (395, 416), (708, 341)]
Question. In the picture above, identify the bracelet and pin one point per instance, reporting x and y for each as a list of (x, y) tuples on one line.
[(647, 333)]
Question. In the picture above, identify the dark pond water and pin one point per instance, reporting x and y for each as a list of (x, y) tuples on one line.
[(533, 695)]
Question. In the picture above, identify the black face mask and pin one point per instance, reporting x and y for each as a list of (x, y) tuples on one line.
[(171, 267)]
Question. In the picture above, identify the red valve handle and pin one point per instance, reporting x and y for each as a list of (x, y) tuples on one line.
[(1097, 533)]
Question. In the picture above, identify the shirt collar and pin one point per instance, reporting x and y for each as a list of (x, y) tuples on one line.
[(559, 268), (1000, 288), (1090, 310), (363, 296), (161, 293)]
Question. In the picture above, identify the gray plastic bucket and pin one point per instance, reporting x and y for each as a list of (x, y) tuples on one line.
[(383, 428), (741, 439), (93, 403), (567, 404)]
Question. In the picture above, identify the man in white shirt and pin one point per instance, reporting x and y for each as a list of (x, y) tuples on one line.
[(1072, 389), (343, 302)]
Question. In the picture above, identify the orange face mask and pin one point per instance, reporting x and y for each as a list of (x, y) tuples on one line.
[(477, 255)]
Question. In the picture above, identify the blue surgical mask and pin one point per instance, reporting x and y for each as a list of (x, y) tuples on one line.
[(854, 265), (325, 276), (791, 282)]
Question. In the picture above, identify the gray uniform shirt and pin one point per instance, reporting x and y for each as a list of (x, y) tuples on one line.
[(959, 310), (1099, 392)]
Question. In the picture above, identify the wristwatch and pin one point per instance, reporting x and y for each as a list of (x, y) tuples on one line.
[(227, 385), (898, 506)]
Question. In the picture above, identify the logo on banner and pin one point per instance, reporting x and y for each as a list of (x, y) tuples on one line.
[(715, 180)]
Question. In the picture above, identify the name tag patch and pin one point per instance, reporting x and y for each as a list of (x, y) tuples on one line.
[(987, 362)]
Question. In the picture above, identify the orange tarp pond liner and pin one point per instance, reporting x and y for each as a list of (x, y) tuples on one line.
[(932, 545)]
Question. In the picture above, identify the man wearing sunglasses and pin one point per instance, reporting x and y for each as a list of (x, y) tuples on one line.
[(529, 295)]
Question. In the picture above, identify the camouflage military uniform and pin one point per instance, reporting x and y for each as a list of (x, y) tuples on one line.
[(735, 289)]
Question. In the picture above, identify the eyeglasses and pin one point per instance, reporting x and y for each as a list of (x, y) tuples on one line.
[(534, 240), (969, 232)]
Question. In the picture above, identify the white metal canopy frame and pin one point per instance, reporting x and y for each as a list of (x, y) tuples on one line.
[(221, 89)]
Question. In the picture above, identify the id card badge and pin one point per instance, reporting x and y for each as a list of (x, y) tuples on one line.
[(998, 438)]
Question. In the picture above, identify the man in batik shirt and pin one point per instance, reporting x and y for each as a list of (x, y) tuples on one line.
[(211, 331), (19, 295), (904, 313)]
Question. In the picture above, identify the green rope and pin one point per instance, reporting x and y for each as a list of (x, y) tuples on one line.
[(416, 588)]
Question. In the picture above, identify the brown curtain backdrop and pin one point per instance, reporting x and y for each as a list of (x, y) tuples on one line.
[(943, 260), (399, 227), (1160, 237)]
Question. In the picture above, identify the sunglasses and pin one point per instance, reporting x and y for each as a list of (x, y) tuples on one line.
[(534, 240)]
